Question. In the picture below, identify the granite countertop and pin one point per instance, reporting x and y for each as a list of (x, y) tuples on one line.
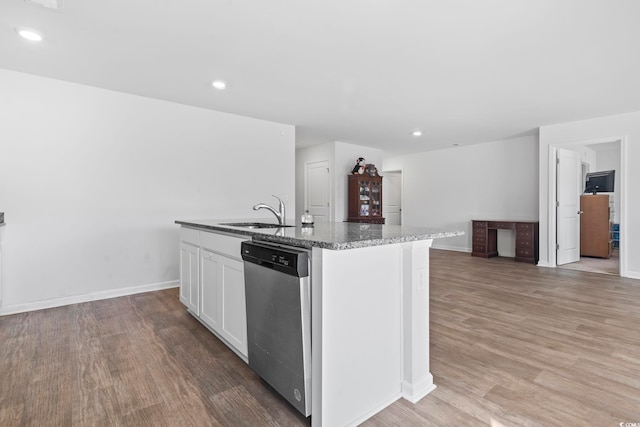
[(332, 235)]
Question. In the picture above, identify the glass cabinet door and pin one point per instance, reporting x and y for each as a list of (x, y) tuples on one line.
[(365, 197), (375, 199)]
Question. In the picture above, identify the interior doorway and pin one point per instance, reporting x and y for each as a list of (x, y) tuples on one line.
[(605, 154)]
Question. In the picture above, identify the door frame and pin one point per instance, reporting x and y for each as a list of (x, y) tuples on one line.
[(552, 229), (401, 172)]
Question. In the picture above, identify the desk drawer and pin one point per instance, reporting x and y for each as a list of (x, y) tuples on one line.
[(524, 228), (524, 243), (524, 235), (479, 224), (524, 253), (480, 232), (481, 248), (501, 225), (479, 239)]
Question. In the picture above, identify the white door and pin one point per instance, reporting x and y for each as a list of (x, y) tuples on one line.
[(568, 185), (392, 198), (318, 191)]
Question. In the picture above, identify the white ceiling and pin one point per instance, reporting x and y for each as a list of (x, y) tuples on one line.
[(359, 71)]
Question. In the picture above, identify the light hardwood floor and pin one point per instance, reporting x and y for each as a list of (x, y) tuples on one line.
[(511, 344)]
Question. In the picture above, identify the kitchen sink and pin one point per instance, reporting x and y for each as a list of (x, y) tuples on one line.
[(255, 225)]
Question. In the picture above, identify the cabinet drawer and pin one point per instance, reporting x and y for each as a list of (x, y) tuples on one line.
[(477, 247), (189, 235), (479, 224), (479, 239), (222, 243)]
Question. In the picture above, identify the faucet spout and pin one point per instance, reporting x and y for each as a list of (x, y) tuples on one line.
[(280, 213)]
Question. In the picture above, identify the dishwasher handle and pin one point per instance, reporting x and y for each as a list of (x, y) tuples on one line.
[(289, 261)]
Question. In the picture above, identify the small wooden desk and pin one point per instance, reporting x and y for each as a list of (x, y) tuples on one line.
[(485, 239)]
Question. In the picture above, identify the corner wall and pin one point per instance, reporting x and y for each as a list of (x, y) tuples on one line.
[(91, 182)]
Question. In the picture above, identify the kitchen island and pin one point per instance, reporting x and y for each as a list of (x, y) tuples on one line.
[(370, 312)]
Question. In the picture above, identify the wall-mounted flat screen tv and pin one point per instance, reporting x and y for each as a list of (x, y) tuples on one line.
[(600, 182)]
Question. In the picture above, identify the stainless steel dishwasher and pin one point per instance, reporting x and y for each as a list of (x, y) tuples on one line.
[(277, 290)]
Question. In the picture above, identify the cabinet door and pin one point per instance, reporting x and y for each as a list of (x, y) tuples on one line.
[(189, 294), (210, 289), (365, 198), (234, 313)]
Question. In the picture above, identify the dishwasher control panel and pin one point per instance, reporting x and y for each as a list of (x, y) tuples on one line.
[(285, 260), (289, 260)]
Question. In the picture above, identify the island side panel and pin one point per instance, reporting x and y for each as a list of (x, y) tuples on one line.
[(417, 379), (357, 333)]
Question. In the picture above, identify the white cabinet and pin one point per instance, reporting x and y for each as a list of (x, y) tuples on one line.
[(218, 274)]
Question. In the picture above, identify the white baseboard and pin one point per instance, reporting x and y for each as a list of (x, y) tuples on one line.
[(76, 299), (451, 248), (632, 274), (373, 411)]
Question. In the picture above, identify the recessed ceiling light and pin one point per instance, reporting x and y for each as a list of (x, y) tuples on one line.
[(29, 34), (417, 133), (219, 84)]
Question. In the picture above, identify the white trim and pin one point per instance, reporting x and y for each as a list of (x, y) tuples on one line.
[(114, 293), (551, 214), (414, 392), (551, 199), (623, 210)]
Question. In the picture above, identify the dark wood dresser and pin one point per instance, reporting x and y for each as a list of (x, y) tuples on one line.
[(596, 226), (484, 239)]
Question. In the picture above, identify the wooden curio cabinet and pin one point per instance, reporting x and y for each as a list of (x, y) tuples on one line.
[(365, 199)]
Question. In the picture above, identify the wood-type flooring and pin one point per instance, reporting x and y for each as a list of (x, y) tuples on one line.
[(511, 345)]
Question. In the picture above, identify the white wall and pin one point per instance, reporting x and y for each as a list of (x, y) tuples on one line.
[(92, 180), (626, 126), (341, 157), (448, 188)]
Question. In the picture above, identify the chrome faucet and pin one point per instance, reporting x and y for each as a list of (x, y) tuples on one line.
[(279, 214)]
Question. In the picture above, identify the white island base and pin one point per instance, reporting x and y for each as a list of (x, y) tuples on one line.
[(370, 330)]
